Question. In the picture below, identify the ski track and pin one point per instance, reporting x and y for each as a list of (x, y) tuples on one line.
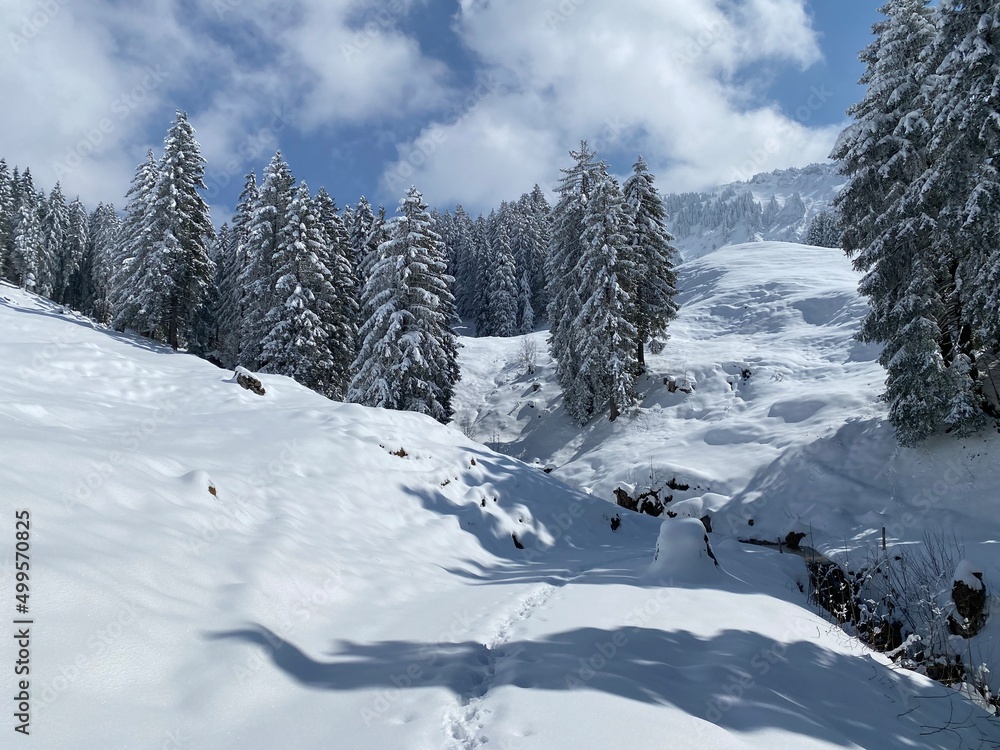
[(465, 724)]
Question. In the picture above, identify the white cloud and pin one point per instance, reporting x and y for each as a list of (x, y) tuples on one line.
[(89, 86), (669, 75)]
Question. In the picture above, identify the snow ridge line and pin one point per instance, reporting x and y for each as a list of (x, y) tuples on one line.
[(464, 725)]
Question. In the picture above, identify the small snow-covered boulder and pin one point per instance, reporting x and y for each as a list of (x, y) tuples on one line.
[(683, 552), (968, 592), (247, 380)]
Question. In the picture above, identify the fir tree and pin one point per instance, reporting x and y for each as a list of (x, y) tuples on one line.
[(8, 208), (606, 343), (501, 289), (52, 254), (234, 298), (653, 258), (182, 231), (26, 252), (102, 251), (259, 275), (297, 343), (340, 309), (74, 280), (408, 356), (138, 277), (563, 270)]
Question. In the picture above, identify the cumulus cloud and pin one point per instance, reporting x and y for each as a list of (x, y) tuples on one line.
[(669, 78), (90, 86)]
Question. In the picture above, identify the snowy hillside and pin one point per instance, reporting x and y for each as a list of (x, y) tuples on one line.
[(211, 568), (777, 205)]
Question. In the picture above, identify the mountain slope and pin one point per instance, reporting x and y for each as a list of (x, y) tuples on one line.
[(214, 569), (770, 206)]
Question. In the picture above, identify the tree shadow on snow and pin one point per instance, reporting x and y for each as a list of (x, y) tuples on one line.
[(738, 680)]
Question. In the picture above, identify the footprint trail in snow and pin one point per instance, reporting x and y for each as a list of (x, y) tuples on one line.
[(465, 724)]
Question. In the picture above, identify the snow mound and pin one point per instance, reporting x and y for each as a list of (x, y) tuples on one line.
[(683, 552)]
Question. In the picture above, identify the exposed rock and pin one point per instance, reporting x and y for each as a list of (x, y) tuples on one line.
[(707, 521), (516, 542), (246, 379), (793, 539), (970, 605)]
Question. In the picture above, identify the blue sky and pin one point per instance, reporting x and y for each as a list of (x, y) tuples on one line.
[(473, 101)]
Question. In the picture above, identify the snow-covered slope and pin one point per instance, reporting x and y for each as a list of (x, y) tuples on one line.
[(782, 431), (216, 569), (770, 206)]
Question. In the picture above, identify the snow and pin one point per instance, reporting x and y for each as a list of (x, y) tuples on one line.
[(353, 580), (969, 574)]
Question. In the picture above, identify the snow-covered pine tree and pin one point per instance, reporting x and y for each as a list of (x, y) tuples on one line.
[(26, 251), (652, 254), (363, 253), (74, 283), (102, 252), (340, 311), (408, 356), (55, 226), (525, 310), (297, 343), (259, 277), (963, 184), (888, 220), (226, 297), (8, 210), (824, 230), (467, 301), (501, 277), (230, 275), (563, 269), (182, 230), (607, 336), (138, 276), (539, 232)]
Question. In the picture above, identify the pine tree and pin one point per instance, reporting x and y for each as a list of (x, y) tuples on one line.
[(52, 254), (467, 298), (606, 343), (824, 230), (889, 219), (182, 230), (408, 356), (653, 256), (8, 209), (297, 343), (74, 287), (138, 277), (563, 270), (962, 185), (340, 310), (234, 297), (259, 275), (102, 251), (526, 312), (501, 288), (26, 252), (538, 215), (227, 296)]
